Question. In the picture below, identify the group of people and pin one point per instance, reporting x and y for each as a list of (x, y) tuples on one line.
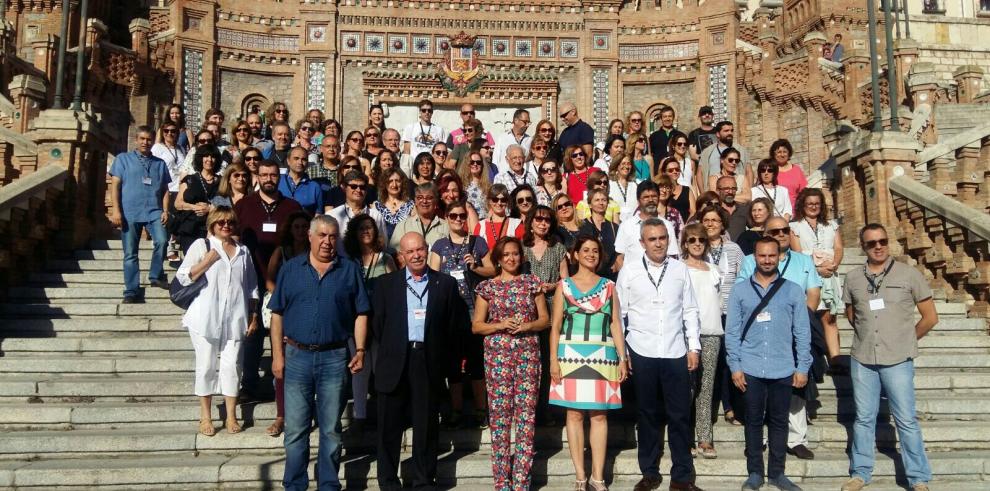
[(539, 269)]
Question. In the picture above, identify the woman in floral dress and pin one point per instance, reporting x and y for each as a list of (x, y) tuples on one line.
[(587, 358), (509, 310)]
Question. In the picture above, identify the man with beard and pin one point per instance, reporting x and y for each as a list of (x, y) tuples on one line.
[(738, 213), (257, 126), (261, 215), (709, 162), (627, 239), (703, 136)]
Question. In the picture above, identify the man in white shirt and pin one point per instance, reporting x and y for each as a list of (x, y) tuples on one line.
[(355, 187), (515, 136), (516, 175), (173, 156), (663, 338), (627, 239), (422, 135)]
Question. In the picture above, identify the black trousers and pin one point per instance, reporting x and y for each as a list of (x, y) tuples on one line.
[(767, 400), (416, 398), (663, 393)]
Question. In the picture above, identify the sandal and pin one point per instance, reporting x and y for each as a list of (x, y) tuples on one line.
[(694, 452), (730, 417), (206, 427), (276, 428), (597, 485), (580, 485), (234, 427), (707, 450)]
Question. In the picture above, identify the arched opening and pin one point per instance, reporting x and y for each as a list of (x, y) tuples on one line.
[(254, 103)]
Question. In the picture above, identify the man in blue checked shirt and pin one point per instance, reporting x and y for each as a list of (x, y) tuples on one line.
[(768, 351)]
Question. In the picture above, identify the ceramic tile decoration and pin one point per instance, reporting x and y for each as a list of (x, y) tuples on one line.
[(317, 33), (718, 90), (316, 85), (442, 43), (599, 41), (524, 48), (192, 86), (481, 44), (398, 44), (658, 52), (255, 41), (545, 48), (374, 43), (569, 48), (421, 45), (599, 99), (500, 47), (350, 42)]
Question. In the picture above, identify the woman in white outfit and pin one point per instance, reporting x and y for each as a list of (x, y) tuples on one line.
[(767, 187), (221, 315)]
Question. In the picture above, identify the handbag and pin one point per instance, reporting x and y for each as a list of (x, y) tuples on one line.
[(182, 296)]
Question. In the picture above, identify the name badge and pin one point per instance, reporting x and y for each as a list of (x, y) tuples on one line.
[(458, 274), (283, 171), (268, 227), (146, 180), (656, 302), (763, 316), (419, 314), (876, 304)]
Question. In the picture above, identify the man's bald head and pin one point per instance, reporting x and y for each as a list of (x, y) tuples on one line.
[(777, 228), (414, 250)]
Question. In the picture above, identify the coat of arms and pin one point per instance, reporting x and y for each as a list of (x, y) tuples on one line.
[(459, 70)]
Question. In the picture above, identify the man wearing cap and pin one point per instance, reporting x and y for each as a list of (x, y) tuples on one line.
[(660, 138), (577, 132), (701, 137)]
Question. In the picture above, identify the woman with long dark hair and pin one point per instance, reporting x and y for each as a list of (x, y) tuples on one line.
[(176, 115)]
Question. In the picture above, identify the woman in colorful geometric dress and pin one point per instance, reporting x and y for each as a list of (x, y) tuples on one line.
[(509, 310), (587, 358)]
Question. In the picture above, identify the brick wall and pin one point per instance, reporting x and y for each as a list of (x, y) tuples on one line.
[(641, 97), (235, 86)]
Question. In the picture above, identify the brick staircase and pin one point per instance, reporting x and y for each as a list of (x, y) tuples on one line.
[(98, 394)]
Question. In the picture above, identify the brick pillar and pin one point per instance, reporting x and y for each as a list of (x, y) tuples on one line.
[(922, 85), (45, 55), (857, 68), (968, 82), (906, 53), (140, 101), (29, 95)]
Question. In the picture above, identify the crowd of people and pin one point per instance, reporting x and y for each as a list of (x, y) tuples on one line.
[(544, 271)]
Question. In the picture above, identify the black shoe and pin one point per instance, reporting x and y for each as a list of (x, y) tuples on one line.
[(452, 421), (357, 427), (132, 299), (648, 483), (802, 452), (160, 283)]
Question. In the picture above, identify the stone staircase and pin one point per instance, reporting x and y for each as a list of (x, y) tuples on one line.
[(952, 119), (98, 394)]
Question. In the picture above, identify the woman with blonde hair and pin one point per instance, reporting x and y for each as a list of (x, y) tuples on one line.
[(235, 183), (473, 170), (636, 148), (222, 314)]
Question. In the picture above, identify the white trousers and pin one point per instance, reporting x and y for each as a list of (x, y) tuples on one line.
[(218, 366), (797, 423)]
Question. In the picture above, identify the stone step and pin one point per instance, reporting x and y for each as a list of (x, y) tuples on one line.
[(92, 326), (208, 471), (71, 294), (123, 345), (144, 254), (91, 279), (87, 265), (162, 307)]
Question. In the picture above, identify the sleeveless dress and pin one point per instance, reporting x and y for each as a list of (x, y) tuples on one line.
[(642, 169), (819, 243), (589, 363)]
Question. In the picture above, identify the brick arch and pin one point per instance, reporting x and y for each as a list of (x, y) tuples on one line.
[(254, 100), (652, 113)]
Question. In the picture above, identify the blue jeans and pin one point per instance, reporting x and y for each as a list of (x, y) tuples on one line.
[(897, 381), (130, 235), (314, 382)]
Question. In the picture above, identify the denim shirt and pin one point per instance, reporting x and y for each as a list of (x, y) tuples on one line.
[(769, 348), (307, 193), (143, 183)]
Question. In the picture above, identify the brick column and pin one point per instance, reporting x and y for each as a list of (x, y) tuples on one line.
[(969, 80), (29, 94), (880, 156)]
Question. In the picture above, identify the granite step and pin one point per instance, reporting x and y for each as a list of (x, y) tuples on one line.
[(87, 265), (68, 295), (91, 326), (101, 308)]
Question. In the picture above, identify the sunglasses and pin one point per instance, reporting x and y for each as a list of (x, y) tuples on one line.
[(732, 161), (870, 244), (778, 231), (541, 219), (465, 113), (636, 120), (476, 162), (765, 170), (440, 152), (242, 130), (467, 130), (281, 111), (457, 216), (226, 223), (488, 148), (499, 199), (425, 110), (252, 159), (577, 155), (673, 170), (238, 175), (680, 144), (546, 130), (371, 135), (549, 170), (305, 128), (355, 139), (356, 187), (350, 167), (539, 147), (696, 240), (524, 199), (566, 204), (204, 142), (169, 132)]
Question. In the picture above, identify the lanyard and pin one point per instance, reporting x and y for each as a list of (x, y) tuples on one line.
[(757, 290), (767, 194), (876, 280), (501, 229), (656, 284), (520, 139), (814, 229), (513, 176), (426, 230), (459, 253), (419, 296), (269, 209), (716, 254)]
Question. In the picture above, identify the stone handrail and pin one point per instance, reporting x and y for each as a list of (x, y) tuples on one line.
[(949, 145), (30, 223)]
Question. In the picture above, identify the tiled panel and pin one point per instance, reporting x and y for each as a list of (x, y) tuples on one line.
[(658, 52), (192, 86), (258, 42)]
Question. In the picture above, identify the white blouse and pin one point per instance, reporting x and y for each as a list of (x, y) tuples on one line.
[(220, 311), (706, 285), (779, 195)]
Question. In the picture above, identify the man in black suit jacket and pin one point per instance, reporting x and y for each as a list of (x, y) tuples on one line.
[(416, 313)]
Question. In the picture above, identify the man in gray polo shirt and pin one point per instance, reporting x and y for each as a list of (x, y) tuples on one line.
[(880, 301)]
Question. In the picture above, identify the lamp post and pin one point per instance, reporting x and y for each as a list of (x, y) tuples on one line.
[(59, 102), (871, 10), (81, 55), (891, 65)]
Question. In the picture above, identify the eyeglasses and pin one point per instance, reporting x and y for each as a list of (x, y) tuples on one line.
[(426, 110), (566, 204), (729, 189), (549, 170), (466, 113), (356, 187), (870, 244), (169, 132), (577, 155), (778, 231), (664, 187), (238, 175), (524, 199), (424, 198), (732, 161), (457, 216), (696, 240), (541, 219), (499, 199), (476, 162), (440, 152), (226, 223), (712, 221)]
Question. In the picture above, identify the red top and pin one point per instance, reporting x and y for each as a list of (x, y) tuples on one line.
[(794, 180), (577, 184)]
